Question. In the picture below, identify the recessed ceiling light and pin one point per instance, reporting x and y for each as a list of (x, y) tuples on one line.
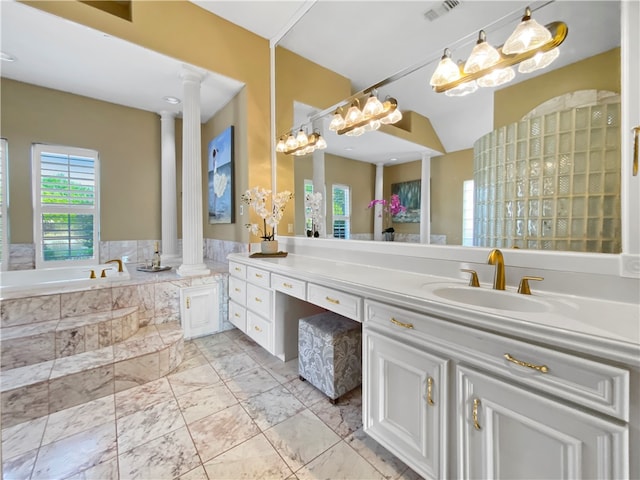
[(5, 57), (171, 100), (348, 149), (393, 159)]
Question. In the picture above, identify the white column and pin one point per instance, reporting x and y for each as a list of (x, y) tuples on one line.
[(319, 181), (425, 199), (192, 256), (170, 254), (377, 219)]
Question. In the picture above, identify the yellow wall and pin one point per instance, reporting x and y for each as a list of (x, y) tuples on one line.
[(128, 141), (600, 72), (182, 30)]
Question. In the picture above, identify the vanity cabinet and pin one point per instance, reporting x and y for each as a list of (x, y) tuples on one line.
[(199, 310), (511, 432), (474, 404)]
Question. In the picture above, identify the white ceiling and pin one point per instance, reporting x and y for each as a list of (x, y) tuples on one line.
[(366, 41)]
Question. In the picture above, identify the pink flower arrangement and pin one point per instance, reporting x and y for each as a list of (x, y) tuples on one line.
[(391, 208)]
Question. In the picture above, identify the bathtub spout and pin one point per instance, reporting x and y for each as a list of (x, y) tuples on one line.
[(119, 262)]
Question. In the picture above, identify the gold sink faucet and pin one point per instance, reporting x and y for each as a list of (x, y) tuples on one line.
[(496, 258), (118, 261)]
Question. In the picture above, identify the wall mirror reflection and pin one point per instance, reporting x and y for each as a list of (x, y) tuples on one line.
[(533, 163)]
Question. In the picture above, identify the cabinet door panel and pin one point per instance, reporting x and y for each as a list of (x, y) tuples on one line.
[(510, 432), (405, 402)]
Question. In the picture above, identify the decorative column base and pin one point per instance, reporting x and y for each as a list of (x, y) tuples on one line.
[(193, 270)]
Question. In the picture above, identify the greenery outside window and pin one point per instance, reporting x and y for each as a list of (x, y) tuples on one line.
[(308, 221), (66, 205), (4, 231), (341, 211)]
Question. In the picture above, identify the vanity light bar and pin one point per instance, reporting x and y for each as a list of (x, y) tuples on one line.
[(558, 31)]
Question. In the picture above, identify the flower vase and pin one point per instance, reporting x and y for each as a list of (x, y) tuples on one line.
[(269, 247), (388, 236)]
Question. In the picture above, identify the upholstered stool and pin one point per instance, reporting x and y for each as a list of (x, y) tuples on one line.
[(330, 353)]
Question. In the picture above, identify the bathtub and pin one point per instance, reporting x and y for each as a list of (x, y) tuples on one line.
[(21, 283)]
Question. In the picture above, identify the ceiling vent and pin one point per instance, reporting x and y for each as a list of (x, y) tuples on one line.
[(440, 9)]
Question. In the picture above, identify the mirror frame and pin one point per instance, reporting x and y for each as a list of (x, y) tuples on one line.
[(626, 264)]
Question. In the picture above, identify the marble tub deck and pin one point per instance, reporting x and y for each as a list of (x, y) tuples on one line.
[(230, 410)]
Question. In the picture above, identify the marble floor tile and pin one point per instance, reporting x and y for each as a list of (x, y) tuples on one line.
[(301, 438), (251, 383), (22, 438), (305, 392), (24, 404), (205, 401), (211, 340), (221, 431), (147, 424), (76, 453), (65, 392), (19, 467), (220, 350), (137, 371), (345, 417), (193, 379), (192, 361), (232, 365), (265, 462), (77, 419), (197, 473), (378, 456), (168, 456), (140, 397), (107, 470), (339, 462), (282, 371), (272, 407)]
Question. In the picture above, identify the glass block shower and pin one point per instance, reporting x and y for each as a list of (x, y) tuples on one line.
[(551, 182)]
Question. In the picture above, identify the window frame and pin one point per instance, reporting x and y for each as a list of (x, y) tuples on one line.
[(5, 255), (345, 218), (468, 212), (37, 149)]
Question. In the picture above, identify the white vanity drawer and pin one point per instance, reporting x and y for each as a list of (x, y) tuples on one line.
[(259, 329), (238, 315), (237, 270), (590, 383), (290, 286), (237, 290), (343, 303), (259, 300), (258, 276)]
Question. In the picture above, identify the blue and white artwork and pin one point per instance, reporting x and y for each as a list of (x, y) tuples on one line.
[(220, 159)]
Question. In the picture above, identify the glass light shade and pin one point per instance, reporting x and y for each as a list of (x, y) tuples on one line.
[(528, 35), (372, 125), (446, 72), (356, 132), (497, 77), (393, 117), (291, 142), (308, 149), (302, 138), (321, 143), (463, 89), (539, 60), (372, 107), (281, 147), (354, 115), (337, 122), (482, 56)]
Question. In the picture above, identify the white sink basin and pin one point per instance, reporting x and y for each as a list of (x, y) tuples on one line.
[(486, 298)]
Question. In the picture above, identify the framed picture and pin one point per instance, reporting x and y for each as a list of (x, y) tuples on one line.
[(221, 194), (409, 193)]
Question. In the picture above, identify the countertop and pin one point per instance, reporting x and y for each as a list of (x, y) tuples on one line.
[(591, 326)]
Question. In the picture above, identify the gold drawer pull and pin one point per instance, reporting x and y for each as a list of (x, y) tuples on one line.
[(257, 328), (401, 324), (540, 368), (188, 302), (258, 275), (636, 148), (237, 289), (430, 391), (258, 299), (333, 300), (287, 285), (476, 405), (238, 269), (236, 315)]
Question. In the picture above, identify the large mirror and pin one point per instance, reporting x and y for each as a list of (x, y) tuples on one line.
[(561, 188)]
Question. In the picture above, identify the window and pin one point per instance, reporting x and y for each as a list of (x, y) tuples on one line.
[(308, 221), (467, 213), (66, 198), (341, 211), (4, 231)]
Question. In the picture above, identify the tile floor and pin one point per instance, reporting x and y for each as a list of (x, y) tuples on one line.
[(229, 411)]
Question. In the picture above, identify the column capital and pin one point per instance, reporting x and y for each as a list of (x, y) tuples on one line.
[(167, 114), (192, 74)]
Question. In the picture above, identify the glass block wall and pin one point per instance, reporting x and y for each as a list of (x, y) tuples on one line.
[(551, 182)]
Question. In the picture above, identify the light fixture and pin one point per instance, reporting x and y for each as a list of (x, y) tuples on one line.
[(301, 143), (487, 66), (527, 36), (371, 117), (171, 100), (7, 57)]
